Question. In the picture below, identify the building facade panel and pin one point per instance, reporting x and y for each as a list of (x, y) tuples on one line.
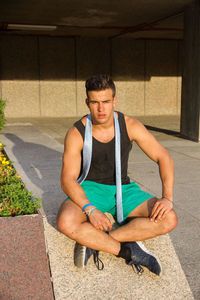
[(161, 77), (93, 57), (45, 76), (19, 76), (57, 77), (128, 73)]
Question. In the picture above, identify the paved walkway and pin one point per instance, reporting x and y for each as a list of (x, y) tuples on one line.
[(36, 146)]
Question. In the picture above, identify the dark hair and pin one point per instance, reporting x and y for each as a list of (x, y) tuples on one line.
[(100, 82)]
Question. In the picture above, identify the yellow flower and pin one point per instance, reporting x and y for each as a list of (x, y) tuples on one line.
[(4, 161)]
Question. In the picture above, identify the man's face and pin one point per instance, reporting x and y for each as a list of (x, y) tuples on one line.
[(101, 105)]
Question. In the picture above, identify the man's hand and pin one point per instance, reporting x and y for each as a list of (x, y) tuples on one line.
[(100, 221), (160, 209)]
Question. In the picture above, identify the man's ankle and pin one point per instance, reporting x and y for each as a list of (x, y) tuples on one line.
[(124, 252)]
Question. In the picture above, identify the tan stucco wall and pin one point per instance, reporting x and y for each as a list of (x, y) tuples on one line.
[(57, 77), (45, 76), (160, 85), (93, 57), (19, 76)]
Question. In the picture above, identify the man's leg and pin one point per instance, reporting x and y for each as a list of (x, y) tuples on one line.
[(140, 227), (72, 222)]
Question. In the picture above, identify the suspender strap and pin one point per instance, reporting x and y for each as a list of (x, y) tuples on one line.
[(87, 157), (118, 171), (87, 149)]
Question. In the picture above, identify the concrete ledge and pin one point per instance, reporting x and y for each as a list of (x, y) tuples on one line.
[(117, 280)]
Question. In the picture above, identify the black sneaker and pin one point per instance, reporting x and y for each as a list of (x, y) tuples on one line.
[(82, 254), (140, 256)]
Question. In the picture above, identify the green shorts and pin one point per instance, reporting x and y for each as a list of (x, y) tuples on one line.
[(103, 197)]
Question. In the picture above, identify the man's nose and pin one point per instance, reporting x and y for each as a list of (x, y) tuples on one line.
[(100, 106)]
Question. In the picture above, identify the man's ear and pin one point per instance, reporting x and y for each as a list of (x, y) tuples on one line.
[(87, 102)]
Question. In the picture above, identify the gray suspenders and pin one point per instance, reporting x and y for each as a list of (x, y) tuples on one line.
[(87, 149), (87, 156), (118, 171)]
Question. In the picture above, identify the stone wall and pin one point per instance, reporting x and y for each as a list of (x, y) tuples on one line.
[(45, 76)]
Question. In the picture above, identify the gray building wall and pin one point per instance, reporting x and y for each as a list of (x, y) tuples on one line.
[(45, 76)]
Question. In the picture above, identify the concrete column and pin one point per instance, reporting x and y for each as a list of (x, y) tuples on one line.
[(190, 106)]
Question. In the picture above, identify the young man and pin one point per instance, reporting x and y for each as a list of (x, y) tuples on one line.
[(82, 216)]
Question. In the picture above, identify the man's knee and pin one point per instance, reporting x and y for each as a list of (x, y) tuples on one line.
[(67, 222), (64, 223), (170, 222)]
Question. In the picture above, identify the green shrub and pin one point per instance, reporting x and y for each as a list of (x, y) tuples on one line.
[(2, 116), (15, 199)]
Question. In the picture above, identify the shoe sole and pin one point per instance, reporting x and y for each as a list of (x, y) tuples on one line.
[(79, 255), (150, 253)]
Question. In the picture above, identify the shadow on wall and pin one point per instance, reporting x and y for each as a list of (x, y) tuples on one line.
[(42, 165), (61, 58)]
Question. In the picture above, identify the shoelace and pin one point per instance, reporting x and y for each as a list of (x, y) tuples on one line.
[(137, 269), (100, 265), (98, 262)]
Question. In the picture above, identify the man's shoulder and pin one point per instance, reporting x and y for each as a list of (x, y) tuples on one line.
[(81, 120), (74, 130), (73, 135), (131, 121), (134, 127)]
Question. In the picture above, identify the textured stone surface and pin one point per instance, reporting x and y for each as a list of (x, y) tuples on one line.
[(117, 280), (24, 265)]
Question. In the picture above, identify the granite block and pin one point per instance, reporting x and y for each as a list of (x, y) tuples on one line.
[(24, 264)]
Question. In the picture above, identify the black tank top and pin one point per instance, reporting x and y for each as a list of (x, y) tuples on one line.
[(102, 169)]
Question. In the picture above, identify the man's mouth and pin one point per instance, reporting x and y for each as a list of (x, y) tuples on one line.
[(101, 116)]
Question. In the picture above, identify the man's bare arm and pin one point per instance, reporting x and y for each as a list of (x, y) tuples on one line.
[(161, 156), (70, 172), (71, 167)]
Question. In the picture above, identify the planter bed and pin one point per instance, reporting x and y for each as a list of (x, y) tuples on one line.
[(24, 268)]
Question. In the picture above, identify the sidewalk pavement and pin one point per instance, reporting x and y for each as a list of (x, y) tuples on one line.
[(36, 146)]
